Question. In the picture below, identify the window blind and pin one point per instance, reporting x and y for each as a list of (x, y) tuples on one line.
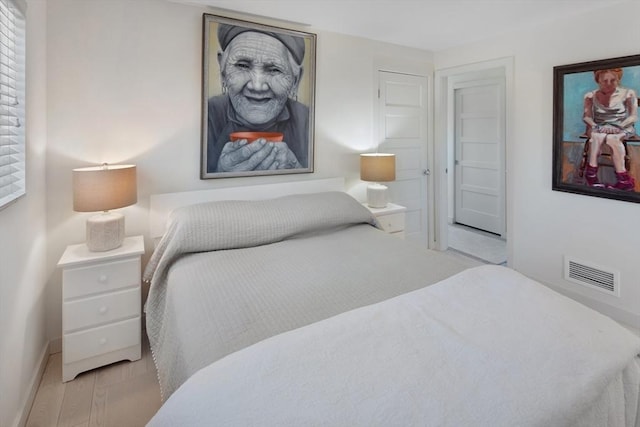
[(12, 111)]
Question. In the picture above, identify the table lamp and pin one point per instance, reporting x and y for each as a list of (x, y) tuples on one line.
[(102, 188), (376, 168)]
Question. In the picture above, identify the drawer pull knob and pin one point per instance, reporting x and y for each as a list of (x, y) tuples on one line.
[(103, 341), (103, 278), (103, 310)]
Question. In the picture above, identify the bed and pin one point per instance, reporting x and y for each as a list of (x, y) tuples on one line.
[(298, 310)]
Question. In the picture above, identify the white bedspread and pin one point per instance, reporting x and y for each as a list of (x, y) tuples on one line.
[(486, 347)]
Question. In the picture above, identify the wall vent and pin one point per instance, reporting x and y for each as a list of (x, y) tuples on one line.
[(592, 276)]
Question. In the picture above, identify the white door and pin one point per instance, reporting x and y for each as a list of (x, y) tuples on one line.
[(402, 130), (479, 159)]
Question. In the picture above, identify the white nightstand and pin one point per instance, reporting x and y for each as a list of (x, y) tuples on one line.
[(101, 306), (391, 218)]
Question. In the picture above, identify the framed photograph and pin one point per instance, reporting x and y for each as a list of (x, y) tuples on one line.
[(596, 145), (258, 90)]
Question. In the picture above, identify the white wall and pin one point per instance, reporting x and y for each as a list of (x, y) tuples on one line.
[(121, 83), (23, 339), (124, 82), (546, 225)]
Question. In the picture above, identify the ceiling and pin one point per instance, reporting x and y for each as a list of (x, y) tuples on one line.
[(425, 24)]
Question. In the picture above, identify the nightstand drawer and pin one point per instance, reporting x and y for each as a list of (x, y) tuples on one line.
[(101, 309), (392, 223), (85, 344), (101, 278)]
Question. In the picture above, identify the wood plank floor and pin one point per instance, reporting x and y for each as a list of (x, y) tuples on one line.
[(123, 394)]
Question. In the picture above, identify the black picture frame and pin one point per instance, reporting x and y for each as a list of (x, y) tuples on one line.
[(280, 98), (571, 83)]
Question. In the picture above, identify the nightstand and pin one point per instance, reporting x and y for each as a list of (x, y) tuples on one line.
[(101, 305), (391, 218)]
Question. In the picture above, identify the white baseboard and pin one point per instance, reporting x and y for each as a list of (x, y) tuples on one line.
[(21, 420), (55, 346)]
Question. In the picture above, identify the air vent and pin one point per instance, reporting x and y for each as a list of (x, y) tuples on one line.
[(592, 276)]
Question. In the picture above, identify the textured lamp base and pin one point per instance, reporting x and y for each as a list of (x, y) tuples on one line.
[(377, 195), (105, 231)]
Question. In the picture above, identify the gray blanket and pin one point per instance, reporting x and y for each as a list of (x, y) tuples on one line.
[(229, 274)]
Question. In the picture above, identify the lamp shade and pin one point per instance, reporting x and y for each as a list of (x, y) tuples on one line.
[(102, 188), (378, 167)]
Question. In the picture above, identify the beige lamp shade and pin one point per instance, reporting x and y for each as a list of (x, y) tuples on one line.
[(378, 167), (103, 188)]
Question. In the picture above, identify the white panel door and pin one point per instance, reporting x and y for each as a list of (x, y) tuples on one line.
[(479, 158), (402, 127)]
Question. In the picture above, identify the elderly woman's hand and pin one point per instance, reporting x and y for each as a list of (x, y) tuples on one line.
[(285, 158), (241, 155)]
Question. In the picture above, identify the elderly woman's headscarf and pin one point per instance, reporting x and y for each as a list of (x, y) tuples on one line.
[(294, 44)]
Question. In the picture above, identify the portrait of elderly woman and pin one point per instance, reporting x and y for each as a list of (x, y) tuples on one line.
[(256, 83)]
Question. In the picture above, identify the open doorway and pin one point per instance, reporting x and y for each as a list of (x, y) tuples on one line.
[(471, 153)]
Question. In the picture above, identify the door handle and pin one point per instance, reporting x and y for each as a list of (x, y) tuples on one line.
[(426, 172)]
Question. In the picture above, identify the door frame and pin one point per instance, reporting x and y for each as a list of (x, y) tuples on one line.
[(444, 127)]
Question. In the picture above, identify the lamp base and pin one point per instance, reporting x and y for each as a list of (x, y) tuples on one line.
[(105, 231), (377, 195)]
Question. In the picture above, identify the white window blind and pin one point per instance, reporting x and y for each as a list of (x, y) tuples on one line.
[(12, 111)]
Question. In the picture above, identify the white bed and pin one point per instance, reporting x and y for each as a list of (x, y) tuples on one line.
[(298, 311)]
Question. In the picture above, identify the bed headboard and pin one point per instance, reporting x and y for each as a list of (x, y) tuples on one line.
[(160, 205)]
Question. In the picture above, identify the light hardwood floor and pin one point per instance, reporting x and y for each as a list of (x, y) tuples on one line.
[(123, 394)]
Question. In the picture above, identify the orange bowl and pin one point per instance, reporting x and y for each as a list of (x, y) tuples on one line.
[(252, 136)]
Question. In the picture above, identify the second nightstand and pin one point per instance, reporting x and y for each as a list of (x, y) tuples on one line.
[(101, 306), (391, 218)]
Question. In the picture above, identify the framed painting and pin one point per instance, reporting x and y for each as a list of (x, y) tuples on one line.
[(258, 90), (596, 146)]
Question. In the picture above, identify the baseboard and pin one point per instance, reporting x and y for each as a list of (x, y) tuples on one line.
[(21, 421), (55, 346)]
